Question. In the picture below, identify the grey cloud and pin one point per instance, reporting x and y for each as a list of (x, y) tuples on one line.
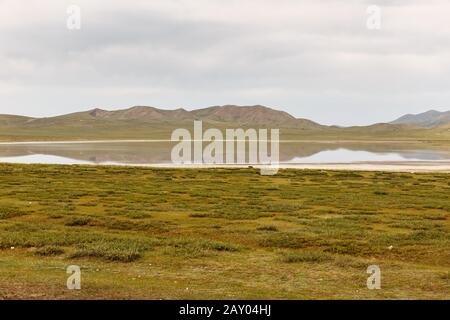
[(311, 60)]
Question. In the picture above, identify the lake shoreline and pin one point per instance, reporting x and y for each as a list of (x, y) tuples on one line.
[(438, 166), (391, 166)]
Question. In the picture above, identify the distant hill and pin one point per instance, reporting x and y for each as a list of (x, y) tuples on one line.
[(258, 115), (142, 113), (6, 119), (248, 115), (143, 122), (238, 115), (429, 119)]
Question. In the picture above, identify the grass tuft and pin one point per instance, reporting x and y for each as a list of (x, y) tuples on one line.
[(49, 251), (307, 256), (77, 221)]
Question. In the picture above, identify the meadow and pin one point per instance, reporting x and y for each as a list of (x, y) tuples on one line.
[(147, 233)]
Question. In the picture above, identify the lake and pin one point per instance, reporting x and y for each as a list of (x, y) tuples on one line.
[(158, 152)]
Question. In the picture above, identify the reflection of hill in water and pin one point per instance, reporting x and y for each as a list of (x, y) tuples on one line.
[(154, 152), (159, 152), (426, 155)]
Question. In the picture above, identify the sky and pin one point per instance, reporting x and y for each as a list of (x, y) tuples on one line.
[(315, 59)]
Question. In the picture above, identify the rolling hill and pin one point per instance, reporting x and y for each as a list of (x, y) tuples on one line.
[(245, 115), (143, 122), (429, 119)]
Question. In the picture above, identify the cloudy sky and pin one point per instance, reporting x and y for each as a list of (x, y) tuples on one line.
[(316, 59)]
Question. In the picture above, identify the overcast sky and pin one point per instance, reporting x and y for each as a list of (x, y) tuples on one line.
[(312, 58)]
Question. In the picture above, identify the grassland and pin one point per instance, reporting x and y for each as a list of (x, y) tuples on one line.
[(87, 128), (222, 233)]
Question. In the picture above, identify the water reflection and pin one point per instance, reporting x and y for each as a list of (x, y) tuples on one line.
[(159, 152)]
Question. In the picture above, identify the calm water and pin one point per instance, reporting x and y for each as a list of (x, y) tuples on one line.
[(159, 153)]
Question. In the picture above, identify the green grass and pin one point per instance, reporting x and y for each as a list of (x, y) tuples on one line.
[(49, 251), (313, 257), (222, 233)]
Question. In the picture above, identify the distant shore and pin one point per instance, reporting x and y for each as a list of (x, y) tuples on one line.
[(388, 166), (392, 166), (337, 141)]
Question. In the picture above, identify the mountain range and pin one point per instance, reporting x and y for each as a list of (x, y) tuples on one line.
[(245, 115), (429, 119), (151, 123)]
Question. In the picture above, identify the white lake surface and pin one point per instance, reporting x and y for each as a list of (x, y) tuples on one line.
[(350, 156)]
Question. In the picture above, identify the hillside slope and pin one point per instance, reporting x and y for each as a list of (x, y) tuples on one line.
[(142, 122), (429, 119)]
